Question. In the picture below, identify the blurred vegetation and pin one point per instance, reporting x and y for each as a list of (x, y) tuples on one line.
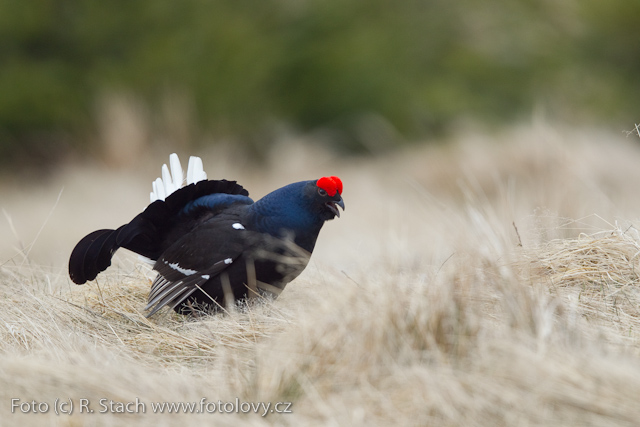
[(373, 71)]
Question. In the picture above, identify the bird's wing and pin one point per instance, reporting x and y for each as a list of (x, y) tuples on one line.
[(146, 233), (196, 258), (167, 292)]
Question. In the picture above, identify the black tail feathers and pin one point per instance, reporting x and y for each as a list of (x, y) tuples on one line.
[(92, 255), (143, 235)]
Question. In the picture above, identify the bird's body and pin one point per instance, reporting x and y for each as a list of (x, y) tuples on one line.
[(212, 244)]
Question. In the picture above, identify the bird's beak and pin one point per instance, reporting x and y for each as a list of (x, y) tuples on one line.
[(332, 205)]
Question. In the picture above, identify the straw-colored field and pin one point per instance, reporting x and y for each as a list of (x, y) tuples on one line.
[(490, 282)]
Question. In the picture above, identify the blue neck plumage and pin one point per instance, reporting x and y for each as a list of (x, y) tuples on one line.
[(285, 211)]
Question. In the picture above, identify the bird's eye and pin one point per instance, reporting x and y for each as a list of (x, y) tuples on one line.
[(322, 192)]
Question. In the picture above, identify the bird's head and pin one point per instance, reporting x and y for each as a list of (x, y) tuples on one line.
[(301, 206), (326, 196)]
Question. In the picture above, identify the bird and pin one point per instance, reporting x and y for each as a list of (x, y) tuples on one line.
[(210, 243)]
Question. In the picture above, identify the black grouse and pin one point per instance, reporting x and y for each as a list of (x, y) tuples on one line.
[(210, 243)]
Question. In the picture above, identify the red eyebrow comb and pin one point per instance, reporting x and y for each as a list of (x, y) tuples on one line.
[(330, 184)]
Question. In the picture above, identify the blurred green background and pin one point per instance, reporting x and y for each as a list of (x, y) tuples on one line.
[(362, 74)]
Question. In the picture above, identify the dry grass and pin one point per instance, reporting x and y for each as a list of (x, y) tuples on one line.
[(453, 291)]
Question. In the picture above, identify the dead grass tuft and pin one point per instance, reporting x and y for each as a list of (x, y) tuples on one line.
[(599, 273)]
